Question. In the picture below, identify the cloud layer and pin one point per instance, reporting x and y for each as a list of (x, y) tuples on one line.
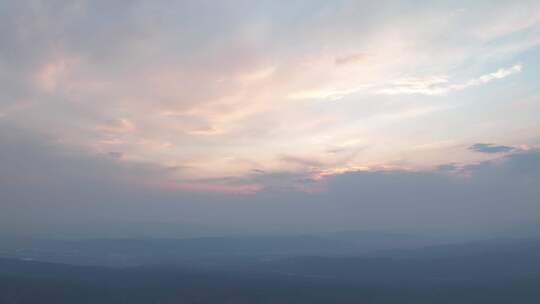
[(223, 89), (45, 190), (237, 109)]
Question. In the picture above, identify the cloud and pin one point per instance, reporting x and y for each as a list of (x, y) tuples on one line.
[(441, 85), (43, 185), (412, 112), (121, 92), (116, 155), (301, 161), (330, 94), (121, 125), (490, 148), (350, 59), (447, 167), (220, 92), (426, 86)]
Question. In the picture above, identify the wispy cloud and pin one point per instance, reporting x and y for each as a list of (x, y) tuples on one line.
[(330, 94), (427, 86), (440, 85), (222, 94)]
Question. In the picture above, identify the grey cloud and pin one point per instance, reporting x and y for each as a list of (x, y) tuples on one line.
[(114, 154), (43, 185), (300, 161), (447, 167), (490, 148)]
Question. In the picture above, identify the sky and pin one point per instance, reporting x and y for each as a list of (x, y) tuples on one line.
[(269, 116)]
